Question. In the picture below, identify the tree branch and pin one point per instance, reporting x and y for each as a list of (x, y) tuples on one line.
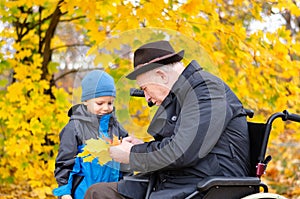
[(72, 19), (72, 71), (69, 46), (49, 34)]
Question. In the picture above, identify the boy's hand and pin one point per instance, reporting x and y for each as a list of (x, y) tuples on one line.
[(66, 197)]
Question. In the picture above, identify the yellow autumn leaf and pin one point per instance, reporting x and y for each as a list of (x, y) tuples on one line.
[(89, 158), (84, 153), (96, 148), (103, 60), (96, 145), (103, 157), (191, 7)]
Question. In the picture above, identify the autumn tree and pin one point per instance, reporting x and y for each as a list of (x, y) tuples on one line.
[(262, 68)]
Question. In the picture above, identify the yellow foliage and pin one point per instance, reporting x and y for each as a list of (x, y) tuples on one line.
[(96, 145), (192, 7), (96, 148)]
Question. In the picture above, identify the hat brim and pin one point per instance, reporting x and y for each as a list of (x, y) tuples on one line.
[(176, 57)]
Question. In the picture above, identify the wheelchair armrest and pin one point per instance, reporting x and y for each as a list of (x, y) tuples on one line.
[(136, 178), (208, 182)]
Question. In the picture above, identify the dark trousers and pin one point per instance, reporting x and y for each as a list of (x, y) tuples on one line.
[(103, 190)]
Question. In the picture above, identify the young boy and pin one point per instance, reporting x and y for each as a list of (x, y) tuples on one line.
[(93, 119)]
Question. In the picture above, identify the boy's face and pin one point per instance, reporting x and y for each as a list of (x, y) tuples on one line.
[(101, 105)]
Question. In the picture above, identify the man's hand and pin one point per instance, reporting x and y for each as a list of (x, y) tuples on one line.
[(133, 140), (66, 197), (120, 153)]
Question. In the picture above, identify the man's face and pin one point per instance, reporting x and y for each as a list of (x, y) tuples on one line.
[(101, 105), (154, 87)]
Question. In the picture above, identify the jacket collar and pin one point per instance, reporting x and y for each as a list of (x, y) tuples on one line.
[(80, 112), (191, 68)]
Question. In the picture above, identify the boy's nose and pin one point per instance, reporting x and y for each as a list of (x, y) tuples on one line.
[(106, 107)]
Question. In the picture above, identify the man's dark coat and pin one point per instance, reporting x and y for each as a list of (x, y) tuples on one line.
[(200, 130)]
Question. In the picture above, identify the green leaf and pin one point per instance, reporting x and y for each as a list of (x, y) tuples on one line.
[(4, 65), (52, 67), (3, 82), (196, 29)]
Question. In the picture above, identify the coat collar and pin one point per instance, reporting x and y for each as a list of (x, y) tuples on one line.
[(191, 68)]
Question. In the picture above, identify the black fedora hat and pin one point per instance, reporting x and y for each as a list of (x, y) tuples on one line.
[(153, 55)]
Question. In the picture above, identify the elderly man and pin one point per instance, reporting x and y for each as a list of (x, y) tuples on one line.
[(199, 129)]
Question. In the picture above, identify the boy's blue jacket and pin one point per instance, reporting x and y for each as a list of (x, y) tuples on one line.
[(72, 174)]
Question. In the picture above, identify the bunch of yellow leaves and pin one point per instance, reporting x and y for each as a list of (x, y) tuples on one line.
[(98, 148)]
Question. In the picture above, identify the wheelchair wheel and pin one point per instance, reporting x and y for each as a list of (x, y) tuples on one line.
[(264, 196)]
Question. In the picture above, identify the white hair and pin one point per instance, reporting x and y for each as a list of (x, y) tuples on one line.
[(172, 70), (173, 66)]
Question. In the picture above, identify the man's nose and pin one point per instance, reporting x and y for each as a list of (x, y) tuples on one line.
[(147, 97)]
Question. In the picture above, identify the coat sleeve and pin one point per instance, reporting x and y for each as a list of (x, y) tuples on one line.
[(66, 155), (203, 118)]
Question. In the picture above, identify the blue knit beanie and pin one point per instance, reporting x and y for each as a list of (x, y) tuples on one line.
[(97, 83)]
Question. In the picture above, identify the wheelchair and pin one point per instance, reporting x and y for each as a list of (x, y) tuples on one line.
[(246, 187), (252, 187)]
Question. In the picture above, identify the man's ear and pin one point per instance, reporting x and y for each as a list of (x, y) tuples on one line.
[(162, 75)]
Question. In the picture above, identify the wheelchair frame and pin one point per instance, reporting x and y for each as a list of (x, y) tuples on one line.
[(246, 187)]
